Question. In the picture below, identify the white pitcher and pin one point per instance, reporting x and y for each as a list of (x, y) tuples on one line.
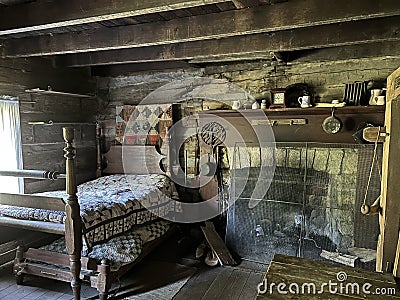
[(236, 104), (304, 101), (376, 98)]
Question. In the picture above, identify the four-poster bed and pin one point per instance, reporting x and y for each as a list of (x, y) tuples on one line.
[(99, 219)]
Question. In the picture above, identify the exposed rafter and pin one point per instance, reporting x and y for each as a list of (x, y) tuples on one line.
[(332, 35), (126, 69), (272, 18), (245, 3), (370, 50), (42, 15), (249, 3)]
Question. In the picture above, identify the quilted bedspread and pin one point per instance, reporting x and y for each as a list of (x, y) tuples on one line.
[(119, 250), (109, 205)]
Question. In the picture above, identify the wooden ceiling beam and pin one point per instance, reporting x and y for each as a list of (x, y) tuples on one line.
[(42, 15), (349, 52), (323, 36), (245, 3), (289, 15), (239, 4), (127, 69), (232, 58)]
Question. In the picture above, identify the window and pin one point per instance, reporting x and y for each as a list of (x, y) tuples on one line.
[(10, 144)]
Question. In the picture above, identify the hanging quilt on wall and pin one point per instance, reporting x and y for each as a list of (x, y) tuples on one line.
[(142, 124)]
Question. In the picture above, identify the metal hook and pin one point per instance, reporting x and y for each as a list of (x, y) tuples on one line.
[(333, 111)]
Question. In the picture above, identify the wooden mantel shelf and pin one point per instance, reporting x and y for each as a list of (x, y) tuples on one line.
[(307, 111), (352, 118)]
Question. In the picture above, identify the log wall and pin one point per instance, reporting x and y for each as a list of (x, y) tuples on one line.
[(42, 145), (326, 79)]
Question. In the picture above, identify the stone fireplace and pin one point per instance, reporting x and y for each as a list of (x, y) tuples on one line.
[(312, 205)]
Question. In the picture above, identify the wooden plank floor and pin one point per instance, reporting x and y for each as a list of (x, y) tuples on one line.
[(207, 283), (329, 281), (167, 265), (224, 283), (37, 288)]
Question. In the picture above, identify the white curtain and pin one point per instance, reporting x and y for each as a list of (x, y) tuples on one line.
[(10, 144)]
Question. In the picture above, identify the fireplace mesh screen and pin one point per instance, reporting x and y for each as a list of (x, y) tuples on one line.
[(312, 207)]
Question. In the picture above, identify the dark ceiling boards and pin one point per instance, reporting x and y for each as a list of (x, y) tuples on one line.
[(197, 32)]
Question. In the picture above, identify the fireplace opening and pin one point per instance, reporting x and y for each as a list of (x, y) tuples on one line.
[(312, 207)]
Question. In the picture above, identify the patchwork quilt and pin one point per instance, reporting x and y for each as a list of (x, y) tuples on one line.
[(109, 205), (119, 250), (142, 124)]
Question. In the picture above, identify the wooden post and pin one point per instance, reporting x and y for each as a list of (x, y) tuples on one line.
[(98, 148), (396, 266), (103, 283), (19, 259), (73, 225), (389, 220)]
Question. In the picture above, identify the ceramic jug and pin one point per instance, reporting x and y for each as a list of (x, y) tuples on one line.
[(236, 104), (304, 101), (376, 98)]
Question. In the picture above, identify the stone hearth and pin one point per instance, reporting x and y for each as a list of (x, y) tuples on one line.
[(313, 203)]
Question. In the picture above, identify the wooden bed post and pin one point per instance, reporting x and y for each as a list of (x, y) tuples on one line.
[(104, 284), (73, 225), (98, 148), (19, 259)]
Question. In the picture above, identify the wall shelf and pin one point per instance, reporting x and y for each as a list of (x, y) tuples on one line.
[(51, 92), (306, 111), (352, 118)]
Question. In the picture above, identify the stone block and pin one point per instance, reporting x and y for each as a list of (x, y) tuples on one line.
[(255, 156), (335, 161), (230, 153), (315, 200), (349, 181), (350, 161), (310, 157), (346, 242), (244, 157), (267, 156), (303, 156), (321, 159), (335, 183), (294, 158), (281, 157), (348, 197), (346, 223), (318, 190)]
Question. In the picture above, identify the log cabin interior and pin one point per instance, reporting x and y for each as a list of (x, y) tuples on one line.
[(199, 149)]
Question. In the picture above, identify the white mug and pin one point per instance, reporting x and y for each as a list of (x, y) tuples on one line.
[(304, 101), (236, 104)]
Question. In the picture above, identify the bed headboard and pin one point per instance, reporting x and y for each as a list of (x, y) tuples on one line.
[(138, 159)]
